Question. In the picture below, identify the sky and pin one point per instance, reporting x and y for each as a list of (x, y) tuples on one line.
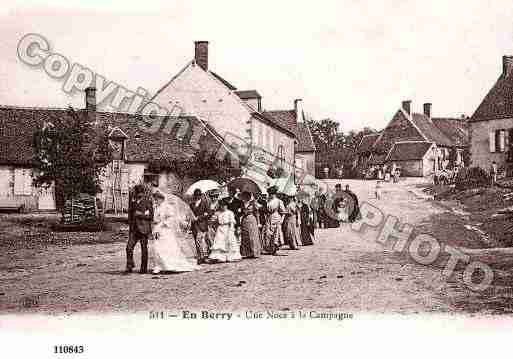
[(351, 60)]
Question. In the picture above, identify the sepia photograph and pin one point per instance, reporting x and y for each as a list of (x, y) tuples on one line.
[(223, 170)]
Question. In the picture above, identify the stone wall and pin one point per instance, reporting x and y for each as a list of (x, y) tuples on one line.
[(480, 142)]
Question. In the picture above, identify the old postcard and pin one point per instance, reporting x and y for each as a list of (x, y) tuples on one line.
[(214, 178)]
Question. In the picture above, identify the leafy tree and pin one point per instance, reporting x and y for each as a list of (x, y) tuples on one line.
[(71, 153), (325, 134)]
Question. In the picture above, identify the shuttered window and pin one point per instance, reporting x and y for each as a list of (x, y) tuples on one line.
[(502, 140), (492, 141)]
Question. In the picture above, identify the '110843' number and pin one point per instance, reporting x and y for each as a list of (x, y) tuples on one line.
[(68, 349)]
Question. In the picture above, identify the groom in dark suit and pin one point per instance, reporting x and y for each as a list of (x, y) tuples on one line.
[(140, 217)]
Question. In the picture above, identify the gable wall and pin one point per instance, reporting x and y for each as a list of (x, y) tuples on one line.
[(204, 97), (399, 129)]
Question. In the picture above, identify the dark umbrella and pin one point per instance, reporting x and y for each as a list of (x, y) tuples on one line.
[(245, 184)]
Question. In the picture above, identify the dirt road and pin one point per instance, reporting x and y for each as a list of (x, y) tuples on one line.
[(343, 271)]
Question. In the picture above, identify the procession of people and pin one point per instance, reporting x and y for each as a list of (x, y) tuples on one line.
[(245, 224)]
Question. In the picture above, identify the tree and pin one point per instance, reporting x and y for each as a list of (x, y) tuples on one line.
[(325, 134), (71, 152), (453, 156)]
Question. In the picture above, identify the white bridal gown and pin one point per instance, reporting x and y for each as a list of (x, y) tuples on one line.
[(168, 248)]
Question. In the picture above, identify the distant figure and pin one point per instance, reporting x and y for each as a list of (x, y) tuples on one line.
[(380, 173), (493, 172), (377, 190), (326, 172)]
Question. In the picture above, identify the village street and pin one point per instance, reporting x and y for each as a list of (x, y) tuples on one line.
[(343, 271)]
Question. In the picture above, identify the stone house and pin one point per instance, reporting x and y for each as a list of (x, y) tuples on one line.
[(236, 115), (412, 132), (491, 125)]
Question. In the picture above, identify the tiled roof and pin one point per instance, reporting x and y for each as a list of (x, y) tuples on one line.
[(367, 143), (455, 129), (248, 94), (271, 122), (429, 130), (283, 118), (287, 119), (142, 145), (498, 103), (403, 151), (17, 126)]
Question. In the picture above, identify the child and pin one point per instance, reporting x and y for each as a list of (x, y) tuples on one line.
[(226, 247), (378, 190)]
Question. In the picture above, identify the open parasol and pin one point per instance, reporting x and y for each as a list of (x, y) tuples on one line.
[(203, 185), (245, 184)]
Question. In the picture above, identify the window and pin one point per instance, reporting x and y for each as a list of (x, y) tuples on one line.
[(499, 140)]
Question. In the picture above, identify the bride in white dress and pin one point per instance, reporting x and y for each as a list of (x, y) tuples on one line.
[(171, 249)]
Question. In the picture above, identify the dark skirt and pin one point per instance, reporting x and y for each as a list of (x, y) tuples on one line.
[(307, 234), (250, 245)]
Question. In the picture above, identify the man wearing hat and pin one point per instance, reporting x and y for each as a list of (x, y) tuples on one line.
[(235, 205), (140, 217), (200, 206)]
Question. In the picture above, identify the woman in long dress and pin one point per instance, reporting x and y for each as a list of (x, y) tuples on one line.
[(307, 224), (250, 234), (272, 236), (169, 223), (226, 247), (290, 223)]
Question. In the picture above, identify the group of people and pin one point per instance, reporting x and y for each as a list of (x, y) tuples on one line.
[(241, 225), (384, 172), (247, 225)]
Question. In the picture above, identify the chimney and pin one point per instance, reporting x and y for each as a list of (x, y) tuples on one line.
[(90, 99), (298, 108), (507, 65), (407, 106), (427, 109), (201, 54)]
